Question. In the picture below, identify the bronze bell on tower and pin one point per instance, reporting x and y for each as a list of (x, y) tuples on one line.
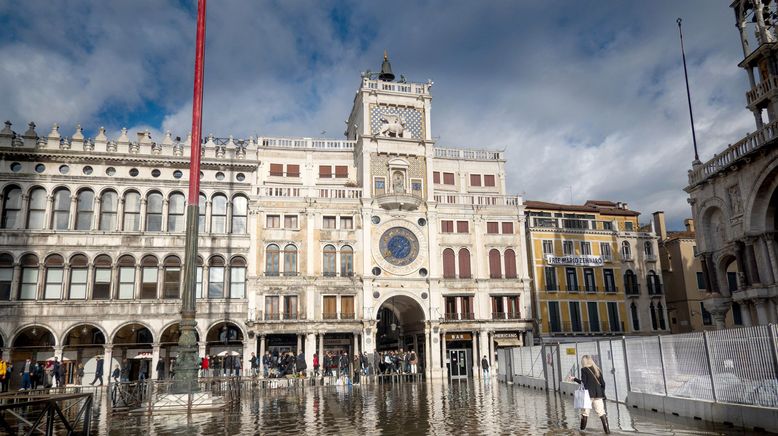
[(386, 70)]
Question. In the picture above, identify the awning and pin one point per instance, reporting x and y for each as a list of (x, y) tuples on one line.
[(507, 342)]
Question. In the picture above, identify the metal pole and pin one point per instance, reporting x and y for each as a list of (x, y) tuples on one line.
[(662, 363), (688, 94), (626, 363), (186, 366), (710, 366)]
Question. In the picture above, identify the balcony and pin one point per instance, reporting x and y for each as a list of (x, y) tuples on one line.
[(332, 193), (394, 201), (342, 316), (591, 289), (632, 290), (452, 317), (570, 223), (627, 257), (762, 90), (651, 257), (463, 154), (280, 316), (307, 143), (505, 315), (733, 154), (572, 288), (454, 198)]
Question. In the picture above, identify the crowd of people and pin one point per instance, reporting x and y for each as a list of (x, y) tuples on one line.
[(273, 364)]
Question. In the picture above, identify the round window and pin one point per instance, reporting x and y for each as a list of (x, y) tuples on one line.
[(87, 170), (134, 172), (110, 171), (240, 177), (40, 168), (64, 169), (375, 219), (155, 173), (376, 271), (16, 167), (220, 176), (178, 174), (422, 222), (423, 272)]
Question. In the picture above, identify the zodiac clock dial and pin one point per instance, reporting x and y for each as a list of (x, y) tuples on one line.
[(399, 246)]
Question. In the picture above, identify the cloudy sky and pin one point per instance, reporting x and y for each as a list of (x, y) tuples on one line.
[(586, 97)]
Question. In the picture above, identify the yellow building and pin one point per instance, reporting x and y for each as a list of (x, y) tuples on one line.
[(595, 270)]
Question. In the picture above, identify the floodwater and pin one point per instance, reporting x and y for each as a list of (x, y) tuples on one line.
[(435, 408)]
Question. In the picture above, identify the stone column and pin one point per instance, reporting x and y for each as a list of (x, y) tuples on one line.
[(492, 369), (228, 224), (771, 310), (442, 355), (261, 355), (249, 346), (476, 355), (321, 351), (90, 280), (762, 317), (138, 281), (24, 212), (65, 283), (356, 344), (299, 344), (58, 352), (120, 214), (17, 278), (49, 213), (201, 348), (154, 361), (310, 349), (142, 219), (107, 362), (164, 214), (161, 280), (772, 258), (73, 212), (208, 211)]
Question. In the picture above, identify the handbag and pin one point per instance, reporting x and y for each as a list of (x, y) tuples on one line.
[(581, 399)]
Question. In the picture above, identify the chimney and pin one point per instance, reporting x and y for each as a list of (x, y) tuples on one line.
[(689, 224), (659, 225)]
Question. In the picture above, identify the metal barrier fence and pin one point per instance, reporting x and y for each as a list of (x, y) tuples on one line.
[(728, 366), (40, 412)]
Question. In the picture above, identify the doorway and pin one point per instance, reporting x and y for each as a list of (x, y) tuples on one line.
[(459, 363)]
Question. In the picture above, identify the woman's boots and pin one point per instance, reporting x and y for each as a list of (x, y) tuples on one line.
[(583, 422), (605, 426)]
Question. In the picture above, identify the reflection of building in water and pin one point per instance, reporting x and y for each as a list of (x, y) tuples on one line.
[(382, 239), (734, 195)]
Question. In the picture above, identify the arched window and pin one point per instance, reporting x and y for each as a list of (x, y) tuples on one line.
[(36, 209), (346, 261), (290, 260), (55, 268), (176, 221), (648, 247), (202, 202), (219, 214), (449, 264), (172, 277), (101, 289), (154, 212), (630, 283), (85, 209), (126, 277), (495, 262), (6, 276), (78, 277), (652, 281), (28, 285), (661, 314), (108, 203), (12, 206), (635, 320), (464, 264), (238, 277), (216, 277), (328, 255), (240, 208), (131, 212), (149, 278), (272, 255), (626, 250), (510, 264), (60, 219)]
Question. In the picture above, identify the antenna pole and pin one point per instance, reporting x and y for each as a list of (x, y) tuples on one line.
[(688, 94)]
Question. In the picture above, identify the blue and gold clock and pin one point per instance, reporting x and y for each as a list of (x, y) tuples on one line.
[(399, 246)]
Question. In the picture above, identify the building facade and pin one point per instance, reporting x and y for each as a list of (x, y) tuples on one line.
[(379, 241), (734, 195), (595, 271), (685, 288)]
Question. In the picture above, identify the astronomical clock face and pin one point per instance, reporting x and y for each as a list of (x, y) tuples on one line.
[(399, 246)]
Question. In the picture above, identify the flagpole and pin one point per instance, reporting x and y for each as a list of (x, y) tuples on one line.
[(688, 94)]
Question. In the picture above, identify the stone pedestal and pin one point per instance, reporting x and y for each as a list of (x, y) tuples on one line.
[(718, 307)]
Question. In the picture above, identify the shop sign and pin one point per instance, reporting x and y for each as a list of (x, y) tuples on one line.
[(459, 337), (574, 260), (336, 341), (506, 335), (570, 351)]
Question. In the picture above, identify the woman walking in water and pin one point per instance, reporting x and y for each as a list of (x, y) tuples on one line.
[(592, 380)]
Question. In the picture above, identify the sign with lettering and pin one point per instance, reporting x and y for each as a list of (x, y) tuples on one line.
[(571, 260), (459, 336), (570, 351)]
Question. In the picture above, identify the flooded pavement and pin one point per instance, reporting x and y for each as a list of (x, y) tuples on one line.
[(436, 408)]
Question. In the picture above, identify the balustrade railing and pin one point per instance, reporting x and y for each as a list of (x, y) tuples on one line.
[(761, 89), (313, 192), (409, 88), (571, 223), (465, 154), (308, 143), (477, 199), (732, 153)]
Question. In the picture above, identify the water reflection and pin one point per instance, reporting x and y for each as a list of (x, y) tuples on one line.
[(437, 408)]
